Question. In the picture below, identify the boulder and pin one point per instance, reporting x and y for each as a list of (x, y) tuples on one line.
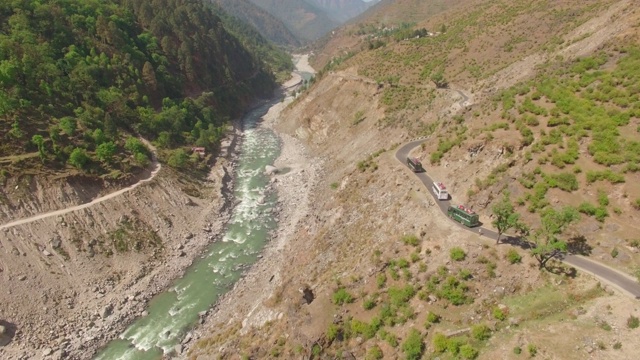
[(270, 170)]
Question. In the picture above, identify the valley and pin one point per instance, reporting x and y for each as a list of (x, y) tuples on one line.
[(527, 112)]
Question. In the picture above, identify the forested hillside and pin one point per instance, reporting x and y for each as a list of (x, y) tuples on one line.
[(79, 80), (268, 25)]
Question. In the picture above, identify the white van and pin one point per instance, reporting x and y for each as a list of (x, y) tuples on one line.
[(440, 190)]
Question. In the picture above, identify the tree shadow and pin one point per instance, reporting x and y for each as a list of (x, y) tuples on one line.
[(7, 332), (559, 268), (578, 245), (517, 241)]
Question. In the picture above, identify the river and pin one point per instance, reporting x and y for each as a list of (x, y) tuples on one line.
[(174, 312)]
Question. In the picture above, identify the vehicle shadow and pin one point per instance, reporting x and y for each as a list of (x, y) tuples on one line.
[(7, 332)]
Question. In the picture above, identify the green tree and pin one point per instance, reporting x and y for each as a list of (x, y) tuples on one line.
[(505, 217), (68, 125), (105, 151), (38, 140), (546, 242), (438, 79), (78, 158), (178, 159), (98, 136), (135, 145)]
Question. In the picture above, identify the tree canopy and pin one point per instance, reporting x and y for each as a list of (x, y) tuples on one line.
[(75, 74)]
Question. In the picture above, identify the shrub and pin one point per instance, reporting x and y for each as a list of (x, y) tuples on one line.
[(533, 350), (455, 291), (439, 342), (499, 314), (433, 317), (564, 181), (341, 297), (468, 352), (375, 353), (454, 344), (617, 345), (362, 328), (413, 346), (332, 332), (480, 332), (603, 199), (411, 240), (636, 204), (381, 280), (517, 350), (633, 322), (513, 256), (614, 178), (457, 254), (614, 253), (369, 304), (465, 274), (400, 296)]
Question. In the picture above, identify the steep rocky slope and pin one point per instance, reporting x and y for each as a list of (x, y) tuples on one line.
[(375, 270)]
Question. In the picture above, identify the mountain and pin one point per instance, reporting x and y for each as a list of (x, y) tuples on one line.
[(267, 25), (527, 111), (311, 19), (341, 10), (386, 14), (79, 81), (275, 59)]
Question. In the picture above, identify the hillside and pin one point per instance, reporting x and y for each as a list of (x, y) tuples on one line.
[(81, 80), (267, 25), (534, 99), (386, 18)]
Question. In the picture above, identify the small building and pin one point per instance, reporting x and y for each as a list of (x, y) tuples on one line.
[(198, 150)]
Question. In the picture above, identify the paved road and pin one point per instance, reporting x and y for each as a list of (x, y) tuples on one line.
[(156, 166), (618, 279)]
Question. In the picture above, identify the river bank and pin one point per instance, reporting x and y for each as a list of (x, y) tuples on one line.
[(298, 173)]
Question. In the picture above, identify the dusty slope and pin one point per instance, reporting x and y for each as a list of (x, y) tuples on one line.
[(365, 201), (68, 288)]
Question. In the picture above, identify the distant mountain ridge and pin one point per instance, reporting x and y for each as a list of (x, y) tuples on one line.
[(311, 19), (268, 25), (341, 10)]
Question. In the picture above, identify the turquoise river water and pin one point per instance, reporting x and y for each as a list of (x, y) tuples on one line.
[(173, 313)]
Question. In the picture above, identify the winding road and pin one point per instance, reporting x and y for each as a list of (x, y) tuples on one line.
[(621, 281), (156, 166)]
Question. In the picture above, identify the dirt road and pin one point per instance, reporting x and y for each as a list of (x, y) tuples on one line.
[(156, 166)]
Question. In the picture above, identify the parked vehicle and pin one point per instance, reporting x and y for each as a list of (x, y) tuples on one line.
[(463, 215), (414, 164), (440, 191)]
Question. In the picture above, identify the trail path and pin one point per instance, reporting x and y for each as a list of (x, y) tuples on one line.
[(155, 166), (609, 275)]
